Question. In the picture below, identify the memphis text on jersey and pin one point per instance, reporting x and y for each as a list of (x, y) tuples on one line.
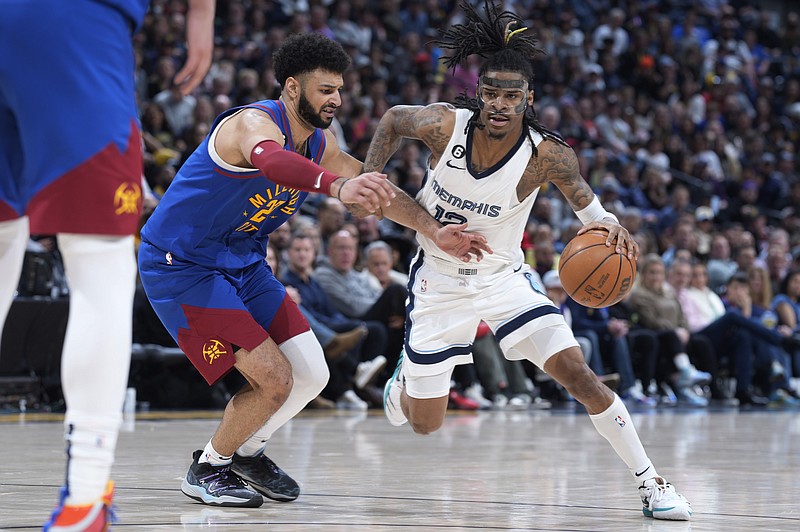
[(492, 211)]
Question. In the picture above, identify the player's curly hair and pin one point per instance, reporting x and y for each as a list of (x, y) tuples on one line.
[(306, 52), (500, 38)]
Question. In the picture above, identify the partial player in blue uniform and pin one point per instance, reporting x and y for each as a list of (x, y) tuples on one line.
[(71, 165), (202, 262)]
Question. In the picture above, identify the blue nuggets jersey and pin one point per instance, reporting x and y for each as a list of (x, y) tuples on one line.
[(218, 215)]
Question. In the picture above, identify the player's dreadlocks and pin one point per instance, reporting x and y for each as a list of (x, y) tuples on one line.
[(499, 37)]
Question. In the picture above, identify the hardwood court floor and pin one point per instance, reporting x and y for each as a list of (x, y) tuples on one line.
[(537, 470)]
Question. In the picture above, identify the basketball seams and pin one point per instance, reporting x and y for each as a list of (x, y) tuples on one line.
[(584, 291), (567, 251), (591, 274)]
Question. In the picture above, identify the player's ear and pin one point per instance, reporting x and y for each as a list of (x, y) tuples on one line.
[(292, 87), (530, 97)]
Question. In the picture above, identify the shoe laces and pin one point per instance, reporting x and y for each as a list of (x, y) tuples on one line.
[(272, 466), (220, 476), (658, 490)]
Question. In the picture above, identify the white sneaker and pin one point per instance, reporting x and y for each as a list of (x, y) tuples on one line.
[(475, 392), (350, 401), (500, 401), (367, 371), (521, 401), (661, 501), (391, 395)]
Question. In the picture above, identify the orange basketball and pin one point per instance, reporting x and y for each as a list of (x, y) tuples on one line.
[(594, 275)]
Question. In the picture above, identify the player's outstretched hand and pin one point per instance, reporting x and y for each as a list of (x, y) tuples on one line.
[(454, 240), (370, 191), (623, 238), (200, 44)]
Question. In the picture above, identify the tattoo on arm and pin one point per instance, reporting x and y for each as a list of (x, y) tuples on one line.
[(560, 166), (405, 121)]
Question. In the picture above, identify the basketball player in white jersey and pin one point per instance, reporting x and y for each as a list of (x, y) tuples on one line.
[(489, 156)]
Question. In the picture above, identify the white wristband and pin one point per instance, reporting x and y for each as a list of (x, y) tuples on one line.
[(595, 212)]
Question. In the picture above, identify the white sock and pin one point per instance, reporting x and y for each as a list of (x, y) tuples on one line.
[(101, 273), (310, 374), (253, 447), (616, 425), (13, 241), (91, 441), (211, 456)]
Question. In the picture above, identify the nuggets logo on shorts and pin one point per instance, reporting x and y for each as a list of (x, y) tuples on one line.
[(620, 421), (126, 198), (212, 350)]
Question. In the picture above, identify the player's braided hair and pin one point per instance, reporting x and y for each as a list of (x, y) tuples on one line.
[(500, 38), (305, 52)]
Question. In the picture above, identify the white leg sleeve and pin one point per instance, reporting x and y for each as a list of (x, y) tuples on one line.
[(310, 373), (101, 273), (616, 425), (13, 240)]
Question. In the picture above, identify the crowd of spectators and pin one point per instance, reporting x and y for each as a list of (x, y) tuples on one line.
[(685, 117)]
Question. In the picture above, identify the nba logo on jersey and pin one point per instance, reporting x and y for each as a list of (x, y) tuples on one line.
[(423, 287), (620, 421)]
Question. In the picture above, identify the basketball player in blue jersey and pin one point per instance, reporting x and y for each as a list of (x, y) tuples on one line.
[(202, 262), (489, 157), (71, 165)]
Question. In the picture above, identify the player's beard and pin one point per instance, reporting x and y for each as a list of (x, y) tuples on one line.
[(311, 115)]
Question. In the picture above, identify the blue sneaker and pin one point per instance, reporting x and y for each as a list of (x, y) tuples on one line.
[(691, 376), (391, 395), (688, 396), (218, 486)]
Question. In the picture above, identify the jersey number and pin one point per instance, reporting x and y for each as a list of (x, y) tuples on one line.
[(448, 217)]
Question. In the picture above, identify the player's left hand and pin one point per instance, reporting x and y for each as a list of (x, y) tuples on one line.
[(454, 240), (617, 233)]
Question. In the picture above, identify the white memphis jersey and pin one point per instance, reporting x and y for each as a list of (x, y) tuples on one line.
[(487, 201)]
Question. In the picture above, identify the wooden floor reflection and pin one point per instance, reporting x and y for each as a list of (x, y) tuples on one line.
[(538, 470)]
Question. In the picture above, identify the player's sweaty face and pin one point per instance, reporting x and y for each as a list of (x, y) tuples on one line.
[(320, 98)]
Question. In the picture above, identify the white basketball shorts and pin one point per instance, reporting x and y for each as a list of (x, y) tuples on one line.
[(443, 312)]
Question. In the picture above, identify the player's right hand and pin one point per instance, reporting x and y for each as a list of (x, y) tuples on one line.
[(456, 241), (370, 190), (200, 45)]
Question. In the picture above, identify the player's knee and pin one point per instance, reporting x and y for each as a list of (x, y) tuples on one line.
[(273, 379), (425, 417), (309, 370), (569, 369), (311, 380)]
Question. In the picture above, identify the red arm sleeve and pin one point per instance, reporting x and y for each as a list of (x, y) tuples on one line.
[(290, 169)]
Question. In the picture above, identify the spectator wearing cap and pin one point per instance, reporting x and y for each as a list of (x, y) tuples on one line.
[(704, 229)]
